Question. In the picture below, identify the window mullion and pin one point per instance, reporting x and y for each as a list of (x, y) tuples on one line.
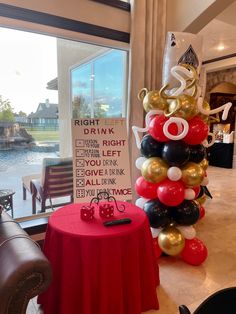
[(92, 89)]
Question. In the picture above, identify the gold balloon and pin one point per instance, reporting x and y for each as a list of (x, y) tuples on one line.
[(184, 106), (152, 100), (154, 170), (171, 241), (192, 174), (205, 106), (204, 164)]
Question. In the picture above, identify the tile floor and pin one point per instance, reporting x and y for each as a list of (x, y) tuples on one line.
[(189, 285)]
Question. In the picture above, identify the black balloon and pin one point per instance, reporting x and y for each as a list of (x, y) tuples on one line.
[(187, 213), (176, 153), (197, 153), (150, 147), (158, 213)]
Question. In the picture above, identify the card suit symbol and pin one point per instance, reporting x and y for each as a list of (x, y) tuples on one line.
[(172, 38), (173, 44), (189, 57)]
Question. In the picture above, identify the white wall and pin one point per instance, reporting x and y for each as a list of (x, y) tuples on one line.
[(181, 13), (192, 15)]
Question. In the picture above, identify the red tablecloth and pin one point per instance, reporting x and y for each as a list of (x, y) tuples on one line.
[(97, 269)]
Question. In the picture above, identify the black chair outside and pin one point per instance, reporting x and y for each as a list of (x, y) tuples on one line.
[(56, 182), (221, 302)]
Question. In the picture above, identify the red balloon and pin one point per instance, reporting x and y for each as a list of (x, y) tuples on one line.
[(198, 131), (152, 117), (201, 212), (197, 190), (146, 189), (156, 128), (157, 248), (171, 193), (194, 252)]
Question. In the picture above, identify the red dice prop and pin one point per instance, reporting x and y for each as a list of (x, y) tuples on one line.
[(106, 210), (87, 213)]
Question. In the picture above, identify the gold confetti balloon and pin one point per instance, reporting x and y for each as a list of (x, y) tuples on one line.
[(204, 164), (154, 170), (184, 106), (152, 100), (192, 174), (171, 241)]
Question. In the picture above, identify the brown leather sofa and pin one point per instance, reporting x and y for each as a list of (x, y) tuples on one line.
[(24, 270)]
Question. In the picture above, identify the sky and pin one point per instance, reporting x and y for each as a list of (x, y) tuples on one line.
[(27, 62)]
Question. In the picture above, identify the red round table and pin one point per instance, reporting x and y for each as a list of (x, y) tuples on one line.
[(98, 269)]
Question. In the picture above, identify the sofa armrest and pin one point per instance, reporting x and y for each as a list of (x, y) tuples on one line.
[(24, 270)]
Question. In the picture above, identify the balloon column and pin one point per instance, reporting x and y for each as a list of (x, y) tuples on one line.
[(173, 165)]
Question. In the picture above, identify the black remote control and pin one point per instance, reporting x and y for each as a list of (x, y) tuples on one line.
[(117, 222)]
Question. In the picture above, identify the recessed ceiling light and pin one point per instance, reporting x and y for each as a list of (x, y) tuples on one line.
[(221, 47)]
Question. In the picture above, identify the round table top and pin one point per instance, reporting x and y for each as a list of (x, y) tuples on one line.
[(6, 192), (67, 220)]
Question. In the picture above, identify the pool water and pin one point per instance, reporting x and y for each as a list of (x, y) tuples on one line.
[(15, 158)]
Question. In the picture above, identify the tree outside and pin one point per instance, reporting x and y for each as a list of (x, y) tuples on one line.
[(22, 114), (6, 110), (81, 108)]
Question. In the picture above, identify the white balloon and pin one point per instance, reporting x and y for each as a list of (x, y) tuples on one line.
[(174, 173), (140, 202), (225, 108), (155, 232), (187, 231), (189, 194), (178, 122), (205, 181), (137, 129), (139, 161)]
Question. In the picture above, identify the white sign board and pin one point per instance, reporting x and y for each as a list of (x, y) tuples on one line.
[(100, 159)]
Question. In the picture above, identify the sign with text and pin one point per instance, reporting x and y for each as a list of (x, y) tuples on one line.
[(100, 159)]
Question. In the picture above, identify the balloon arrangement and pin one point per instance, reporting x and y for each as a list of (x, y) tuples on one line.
[(173, 164)]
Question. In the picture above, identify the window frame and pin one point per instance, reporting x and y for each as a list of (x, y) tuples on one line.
[(115, 3)]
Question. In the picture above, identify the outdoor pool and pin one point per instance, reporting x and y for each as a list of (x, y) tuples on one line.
[(20, 157)]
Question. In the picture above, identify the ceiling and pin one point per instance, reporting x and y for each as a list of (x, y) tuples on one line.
[(221, 31)]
